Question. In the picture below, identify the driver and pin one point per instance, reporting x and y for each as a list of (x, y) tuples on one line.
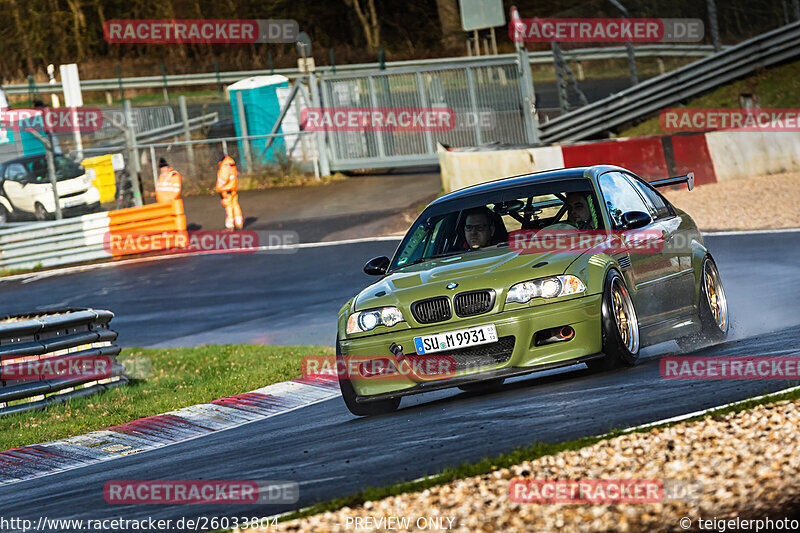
[(478, 228), (579, 214)]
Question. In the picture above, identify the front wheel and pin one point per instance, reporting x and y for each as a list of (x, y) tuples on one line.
[(378, 407), (620, 326), (40, 212), (712, 309)]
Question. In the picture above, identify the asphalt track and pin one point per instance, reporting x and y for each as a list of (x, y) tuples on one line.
[(330, 453)]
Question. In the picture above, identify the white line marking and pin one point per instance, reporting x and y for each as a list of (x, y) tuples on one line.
[(29, 277), (750, 232), (709, 410)]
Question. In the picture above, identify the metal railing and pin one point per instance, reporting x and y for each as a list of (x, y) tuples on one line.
[(675, 87), (492, 87), (211, 78), (53, 339)]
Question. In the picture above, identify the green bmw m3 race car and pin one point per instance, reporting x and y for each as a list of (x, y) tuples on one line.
[(579, 265)]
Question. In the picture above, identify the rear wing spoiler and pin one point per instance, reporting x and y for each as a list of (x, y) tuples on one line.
[(688, 179)]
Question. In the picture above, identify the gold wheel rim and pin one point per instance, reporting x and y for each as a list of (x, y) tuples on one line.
[(715, 296), (625, 317)]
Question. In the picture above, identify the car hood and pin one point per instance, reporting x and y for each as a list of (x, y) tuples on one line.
[(495, 268)]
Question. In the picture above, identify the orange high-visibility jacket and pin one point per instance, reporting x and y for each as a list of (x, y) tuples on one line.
[(227, 179), (168, 187)]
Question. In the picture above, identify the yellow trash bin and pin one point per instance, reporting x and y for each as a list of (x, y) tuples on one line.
[(103, 176)]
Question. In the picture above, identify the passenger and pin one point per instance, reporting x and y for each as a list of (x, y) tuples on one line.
[(579, 213)]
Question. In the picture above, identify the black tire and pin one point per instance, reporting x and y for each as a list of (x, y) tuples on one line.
[(483, 386), (3, 214), (621, 339), (378, 407), (713, 311), (40, 213)]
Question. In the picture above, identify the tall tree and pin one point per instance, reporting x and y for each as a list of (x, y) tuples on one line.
[(450, 22), (22, 35), (369, 22)]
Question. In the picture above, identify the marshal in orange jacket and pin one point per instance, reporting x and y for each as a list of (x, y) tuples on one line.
[(227, 178), (168, 186)]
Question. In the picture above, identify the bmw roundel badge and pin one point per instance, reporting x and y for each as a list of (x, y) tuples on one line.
[(452, 285)]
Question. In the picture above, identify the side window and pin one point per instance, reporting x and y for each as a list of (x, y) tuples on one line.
[(651, 195), (620, 197), (16, 172)]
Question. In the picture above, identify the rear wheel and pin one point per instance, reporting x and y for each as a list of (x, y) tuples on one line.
[(620, 326), (712, 309), (373, 408), (3, 214)]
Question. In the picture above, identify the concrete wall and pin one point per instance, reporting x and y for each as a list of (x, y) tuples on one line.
[(715, 156), (742, 154), (462, 169)]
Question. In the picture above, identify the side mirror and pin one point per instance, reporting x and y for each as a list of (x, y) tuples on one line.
[(377, 266), (635, 219)]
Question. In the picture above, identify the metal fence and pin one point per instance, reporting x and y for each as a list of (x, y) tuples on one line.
[(211, 78), (52, 338), (488, 96)]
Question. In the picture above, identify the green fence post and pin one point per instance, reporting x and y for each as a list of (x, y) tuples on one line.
[(121, 89), (333, 63), (382, 59), (164, 77), (269, 61), (216, 71)]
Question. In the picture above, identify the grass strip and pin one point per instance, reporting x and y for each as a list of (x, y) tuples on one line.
[(178, 377)]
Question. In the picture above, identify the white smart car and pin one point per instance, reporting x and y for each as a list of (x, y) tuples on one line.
[(25, 188)]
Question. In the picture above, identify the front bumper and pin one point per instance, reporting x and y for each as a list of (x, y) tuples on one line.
[(582, 314)]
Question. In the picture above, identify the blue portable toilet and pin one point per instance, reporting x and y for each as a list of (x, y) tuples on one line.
[(261, 110)]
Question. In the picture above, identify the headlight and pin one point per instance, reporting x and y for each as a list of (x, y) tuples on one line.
[(545, 288), (368, 320)]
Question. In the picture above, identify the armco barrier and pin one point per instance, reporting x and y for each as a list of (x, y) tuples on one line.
[(46, 339), (86, 238)]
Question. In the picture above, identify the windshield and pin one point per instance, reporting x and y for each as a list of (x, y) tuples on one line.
[(485, 220), (65, 169)]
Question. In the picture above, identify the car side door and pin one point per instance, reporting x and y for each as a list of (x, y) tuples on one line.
[(676, 246), (14, 183), (650, 270)]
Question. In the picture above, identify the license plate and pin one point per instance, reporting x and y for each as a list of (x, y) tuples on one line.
[(73, 203), (456, 339)]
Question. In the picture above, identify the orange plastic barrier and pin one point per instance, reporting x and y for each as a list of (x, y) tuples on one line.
[(149, 228)]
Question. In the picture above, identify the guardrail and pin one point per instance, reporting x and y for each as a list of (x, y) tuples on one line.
[(85, 238), (211, 78), (674, 87), (56, 343)]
